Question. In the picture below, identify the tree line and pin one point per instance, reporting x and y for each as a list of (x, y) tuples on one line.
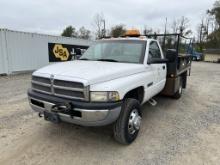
[(100, 30), (71, 31), (207, 33), (209, 28)]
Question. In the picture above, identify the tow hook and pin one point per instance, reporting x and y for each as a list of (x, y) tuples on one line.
[(66, 107)]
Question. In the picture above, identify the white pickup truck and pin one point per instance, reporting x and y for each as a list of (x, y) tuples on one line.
[(108, 84)]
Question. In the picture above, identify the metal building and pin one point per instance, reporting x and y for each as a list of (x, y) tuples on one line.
[(22, 51), (212, 55)]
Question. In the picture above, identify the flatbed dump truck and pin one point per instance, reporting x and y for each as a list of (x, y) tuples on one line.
[(110, 82)]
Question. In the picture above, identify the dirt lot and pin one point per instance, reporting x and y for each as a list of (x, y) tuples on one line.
[(186, 131)]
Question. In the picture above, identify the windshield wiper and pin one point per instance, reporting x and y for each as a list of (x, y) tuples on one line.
[(109, 60)]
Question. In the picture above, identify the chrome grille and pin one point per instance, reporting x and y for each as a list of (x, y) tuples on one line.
[(41, 79), (68, 84), (41, 87), (61, 88), (70, 93)]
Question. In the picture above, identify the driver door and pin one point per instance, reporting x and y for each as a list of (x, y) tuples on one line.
[(158, 69)]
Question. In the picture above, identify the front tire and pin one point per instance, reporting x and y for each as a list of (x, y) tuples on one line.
[(127, 125)]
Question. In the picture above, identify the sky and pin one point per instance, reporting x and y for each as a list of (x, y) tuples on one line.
[(52, 16)]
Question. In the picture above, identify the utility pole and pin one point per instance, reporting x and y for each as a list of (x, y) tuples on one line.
[(201, 32), (165, 31), (103, 30), (207, 28)]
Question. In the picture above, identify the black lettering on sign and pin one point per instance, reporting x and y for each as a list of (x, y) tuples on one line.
[(63, 52)]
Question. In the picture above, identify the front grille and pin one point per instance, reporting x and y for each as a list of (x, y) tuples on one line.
[(60, 88), (62, 92), (68, 84), (41, 88), (41, 79)]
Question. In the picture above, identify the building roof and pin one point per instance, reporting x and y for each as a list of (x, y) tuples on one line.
[(212, 51)]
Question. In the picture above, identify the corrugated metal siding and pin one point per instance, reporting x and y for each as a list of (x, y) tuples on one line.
[(3, 53), (29, 51)]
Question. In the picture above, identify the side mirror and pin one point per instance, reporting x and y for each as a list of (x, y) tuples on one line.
[(171, 55), (157, 61)]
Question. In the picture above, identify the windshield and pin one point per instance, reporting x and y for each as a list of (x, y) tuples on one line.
[(126, 51)]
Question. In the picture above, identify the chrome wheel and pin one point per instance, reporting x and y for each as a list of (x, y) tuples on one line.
[(134, 122)]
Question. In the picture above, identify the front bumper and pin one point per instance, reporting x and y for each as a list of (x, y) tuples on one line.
[(89, 114)]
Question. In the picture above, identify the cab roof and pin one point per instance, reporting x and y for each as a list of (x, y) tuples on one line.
[(141, 38), (131, 34)]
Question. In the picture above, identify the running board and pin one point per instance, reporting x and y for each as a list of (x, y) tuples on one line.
[(152, 102)]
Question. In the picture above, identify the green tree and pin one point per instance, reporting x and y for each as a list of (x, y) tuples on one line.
[(69, 31), (83, 33), (215, 11), (214, 37), (214, 40), (117, 31)]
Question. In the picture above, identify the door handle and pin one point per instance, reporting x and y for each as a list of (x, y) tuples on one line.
[(163, 67)]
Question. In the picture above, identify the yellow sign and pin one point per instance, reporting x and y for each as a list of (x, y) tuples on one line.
[(60, 52)]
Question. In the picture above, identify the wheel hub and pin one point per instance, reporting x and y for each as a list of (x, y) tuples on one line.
[(134, 122)]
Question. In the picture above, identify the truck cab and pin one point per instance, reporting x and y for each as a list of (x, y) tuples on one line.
[(107, 85)]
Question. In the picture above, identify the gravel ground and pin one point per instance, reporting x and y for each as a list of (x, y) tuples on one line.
[(185, 131)]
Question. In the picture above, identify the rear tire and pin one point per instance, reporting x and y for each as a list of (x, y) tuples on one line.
[(127, 125), (178, 93)]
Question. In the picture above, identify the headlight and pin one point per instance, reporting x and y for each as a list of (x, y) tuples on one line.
[(104, 96)]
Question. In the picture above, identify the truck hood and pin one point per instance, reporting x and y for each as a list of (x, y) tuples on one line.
[(91, 71)]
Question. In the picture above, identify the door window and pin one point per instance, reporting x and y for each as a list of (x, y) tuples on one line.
[(154, 51)]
